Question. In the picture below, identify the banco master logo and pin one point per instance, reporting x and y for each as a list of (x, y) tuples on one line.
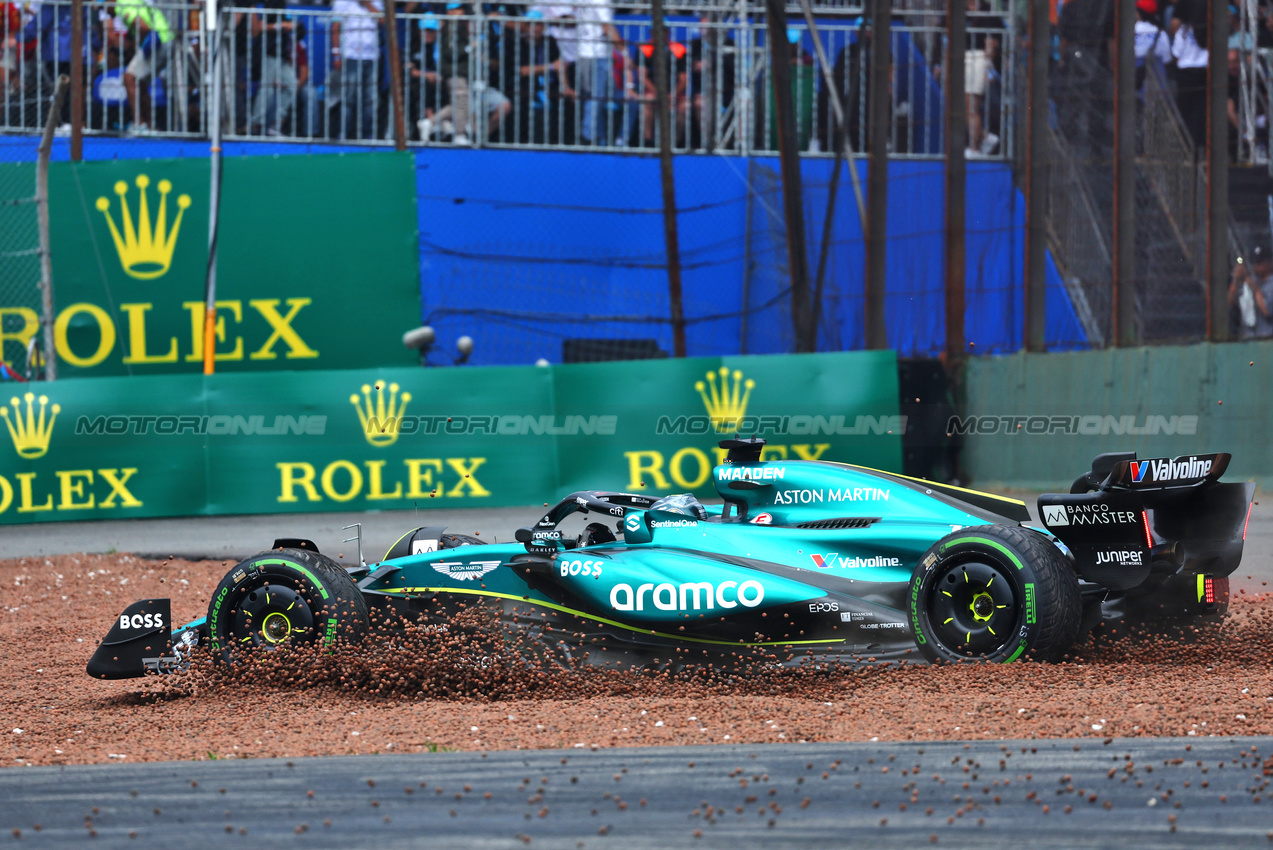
[(144, 247), (1055, 515), (30, 433), (726, 404), (380, 420)]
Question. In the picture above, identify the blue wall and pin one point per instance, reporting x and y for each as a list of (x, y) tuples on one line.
[(522, 250)]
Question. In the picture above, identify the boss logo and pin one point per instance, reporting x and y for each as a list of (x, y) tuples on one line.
[(581, 568), (141, 621)]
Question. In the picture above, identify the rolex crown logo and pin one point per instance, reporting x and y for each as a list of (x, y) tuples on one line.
[(144, 247), (380, 419), (726, 404), (31, 433)]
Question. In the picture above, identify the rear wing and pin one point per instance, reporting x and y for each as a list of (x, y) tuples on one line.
[(1129, 517), (1122, 470)]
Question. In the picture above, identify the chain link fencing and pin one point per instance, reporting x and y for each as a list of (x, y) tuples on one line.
[(1170, 218), (19, 252)]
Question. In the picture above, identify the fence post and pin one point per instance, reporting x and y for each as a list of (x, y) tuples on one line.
[(214, 192), (42, 217), (1123, 300), (879, 120), (789, 165), (77, 80), (1036, 179), (1218, 172), (670, 233), (395, 77), (956, 183)]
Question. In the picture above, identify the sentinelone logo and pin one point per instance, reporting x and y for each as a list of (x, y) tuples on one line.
[(1090, 425)]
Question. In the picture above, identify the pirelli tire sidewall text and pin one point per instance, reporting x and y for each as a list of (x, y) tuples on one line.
[(336, 606), (1046, 608)]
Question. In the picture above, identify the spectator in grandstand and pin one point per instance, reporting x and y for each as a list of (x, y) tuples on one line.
[(109, 100), (454, 48), (275, 35), (1238, 40), (678, 68), (1151, 39), (711, 80), (152, 37), (850, 73), (356, 33), (1084, 90), (1251, 295), (981, 53), (10, 46), (453, 65), (49, 29), (424, 94), (1189, 28), (594, 68), (529, 70)]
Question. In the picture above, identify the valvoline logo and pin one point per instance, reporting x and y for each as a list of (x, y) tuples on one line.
[(1139, 468)]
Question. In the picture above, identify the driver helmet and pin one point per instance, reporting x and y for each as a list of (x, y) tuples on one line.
[(682, 503)]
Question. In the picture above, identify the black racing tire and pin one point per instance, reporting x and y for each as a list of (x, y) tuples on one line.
[(994, 593), (285, 597)]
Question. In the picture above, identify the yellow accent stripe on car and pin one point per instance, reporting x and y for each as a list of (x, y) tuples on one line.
[(594, 618), (927, 483)]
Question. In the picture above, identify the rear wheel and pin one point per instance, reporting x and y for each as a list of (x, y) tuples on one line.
[(282, 597), (994, 593)]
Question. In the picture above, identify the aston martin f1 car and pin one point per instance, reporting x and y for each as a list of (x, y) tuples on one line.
[(801, 556)]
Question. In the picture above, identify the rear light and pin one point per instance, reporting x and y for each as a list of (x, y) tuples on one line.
[(1209, 590), (1149, 537), (1248, 519)]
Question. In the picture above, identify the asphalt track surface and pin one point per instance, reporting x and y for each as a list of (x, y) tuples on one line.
[(237, 537), (654, 798)]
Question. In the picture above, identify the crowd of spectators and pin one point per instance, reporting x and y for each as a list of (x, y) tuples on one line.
[(561, 74), (1172, 35)]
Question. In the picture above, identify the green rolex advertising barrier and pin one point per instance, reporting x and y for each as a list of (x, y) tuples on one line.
[(271, 442), (314, 251)]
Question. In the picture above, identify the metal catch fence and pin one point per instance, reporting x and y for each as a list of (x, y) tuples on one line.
[(558, 77)]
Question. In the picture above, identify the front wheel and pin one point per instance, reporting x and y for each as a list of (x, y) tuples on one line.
[(281, 597), (994, 593)]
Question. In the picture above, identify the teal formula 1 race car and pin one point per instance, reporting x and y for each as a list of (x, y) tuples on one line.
[(802, 557)]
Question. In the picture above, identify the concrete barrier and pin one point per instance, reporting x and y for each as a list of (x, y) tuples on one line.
[(1037, 420)]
